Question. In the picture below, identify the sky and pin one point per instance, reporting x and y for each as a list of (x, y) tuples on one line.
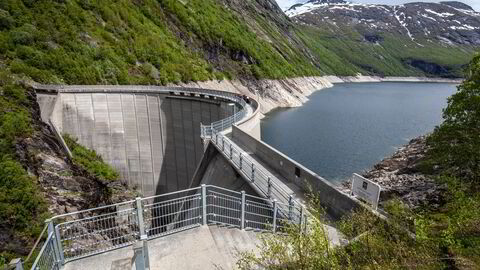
[(284, 4)]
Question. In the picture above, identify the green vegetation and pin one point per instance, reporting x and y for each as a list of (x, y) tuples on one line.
[(455, 145), (125, 42), (348, 54), (90, 160), (22, 207), (171, 41), (446, 237)]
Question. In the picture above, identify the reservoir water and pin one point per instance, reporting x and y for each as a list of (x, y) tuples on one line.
[(350, 127)]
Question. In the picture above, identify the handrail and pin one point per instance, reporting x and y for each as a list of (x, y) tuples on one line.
[(261, 178), (105, 231), (36, 243)]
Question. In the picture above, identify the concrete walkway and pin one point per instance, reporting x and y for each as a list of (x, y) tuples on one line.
[(205, 247)]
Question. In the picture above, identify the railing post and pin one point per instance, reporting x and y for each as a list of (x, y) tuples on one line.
[(223, 144), (242, 218), (56, 249), (269, 193), (301, 218), (241, 161), (141, 255), (290, 207), (141, 221), (231, 151), (253, 173), (60, 246), (16, 264), (204, 204), (274, 215), (305, 221)]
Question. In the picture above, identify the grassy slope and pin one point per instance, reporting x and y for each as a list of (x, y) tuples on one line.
[(164, 41), (120, 42), (350, 53)]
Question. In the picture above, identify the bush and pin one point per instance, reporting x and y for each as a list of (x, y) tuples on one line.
[(21, 206), (90, 160)]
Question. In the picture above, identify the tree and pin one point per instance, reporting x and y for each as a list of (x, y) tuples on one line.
[(455, 144)]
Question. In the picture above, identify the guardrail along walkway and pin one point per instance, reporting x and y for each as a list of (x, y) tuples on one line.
[(263, 179), (78, 235)]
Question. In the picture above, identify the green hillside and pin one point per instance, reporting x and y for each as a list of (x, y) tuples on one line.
[(171, 41)]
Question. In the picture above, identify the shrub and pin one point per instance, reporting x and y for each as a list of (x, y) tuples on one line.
[(21, 206), (90, 160)]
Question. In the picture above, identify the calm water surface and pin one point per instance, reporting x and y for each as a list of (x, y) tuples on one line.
[(350, 127)]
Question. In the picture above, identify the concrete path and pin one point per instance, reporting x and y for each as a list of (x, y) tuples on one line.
[(205, 247)]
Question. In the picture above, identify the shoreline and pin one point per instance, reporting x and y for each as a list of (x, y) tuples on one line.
[(294, 92)]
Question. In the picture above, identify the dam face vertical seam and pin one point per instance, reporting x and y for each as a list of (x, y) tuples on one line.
[(184, 141), (79, 134), (163, 147), (138, 142), (109, 131), (173, 144), (92, 107), (147, 103), (125, 142), (194, 145)]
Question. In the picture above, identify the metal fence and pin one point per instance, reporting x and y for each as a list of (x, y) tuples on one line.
[(84, 233), (264, 181), (226, 123)]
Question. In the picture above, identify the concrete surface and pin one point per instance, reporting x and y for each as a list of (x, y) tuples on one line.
[(205, 247), (153, 140)]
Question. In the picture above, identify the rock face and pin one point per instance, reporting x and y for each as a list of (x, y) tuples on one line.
[(448, 23), (399, 177), (66, 187)]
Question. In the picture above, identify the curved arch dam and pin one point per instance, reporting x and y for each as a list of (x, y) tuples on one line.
[(151, 135)]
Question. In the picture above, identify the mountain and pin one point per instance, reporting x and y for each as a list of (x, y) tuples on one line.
[(412, 34), (172, 41)]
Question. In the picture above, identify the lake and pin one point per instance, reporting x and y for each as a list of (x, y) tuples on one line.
[(350, 127)]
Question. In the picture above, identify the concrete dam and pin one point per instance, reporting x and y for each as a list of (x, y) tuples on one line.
[(197, 158), (149, 135)]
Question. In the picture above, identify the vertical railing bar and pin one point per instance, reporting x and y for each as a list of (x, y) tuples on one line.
[(242, 217), (204, 203), (275, 207)]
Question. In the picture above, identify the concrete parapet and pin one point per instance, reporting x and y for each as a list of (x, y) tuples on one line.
[(336, 202)]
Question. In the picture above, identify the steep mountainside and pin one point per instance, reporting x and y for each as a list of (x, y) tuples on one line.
[(171, 41), (430, 37)]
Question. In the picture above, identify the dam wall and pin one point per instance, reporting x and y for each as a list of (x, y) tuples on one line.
[(151, 138)]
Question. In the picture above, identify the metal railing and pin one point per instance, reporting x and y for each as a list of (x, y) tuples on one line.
[(85, 233), (226, 123), (265, 182)]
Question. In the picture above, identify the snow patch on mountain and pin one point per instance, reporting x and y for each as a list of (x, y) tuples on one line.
[(445, 14)]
